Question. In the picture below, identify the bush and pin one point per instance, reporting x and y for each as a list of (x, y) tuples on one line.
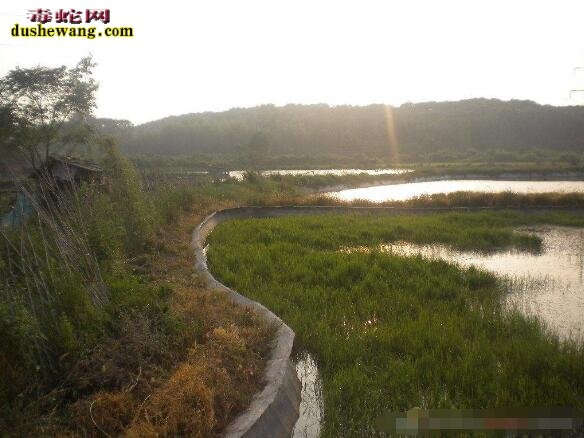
[(171, 203), (104, 229), (130, 295), (50, 298), (21, 336), (124, 188), (54, 302)]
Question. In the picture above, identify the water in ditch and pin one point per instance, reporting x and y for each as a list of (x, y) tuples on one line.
[(311, 402)]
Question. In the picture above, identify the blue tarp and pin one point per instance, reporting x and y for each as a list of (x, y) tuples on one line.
[(22, 208)]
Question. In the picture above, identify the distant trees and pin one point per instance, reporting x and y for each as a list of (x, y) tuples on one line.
[(45, 108), (425, 131), (257, 149)]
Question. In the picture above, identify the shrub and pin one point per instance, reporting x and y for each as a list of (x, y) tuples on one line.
[(51, 295), (125, 190), (105, 229), (54, 302)]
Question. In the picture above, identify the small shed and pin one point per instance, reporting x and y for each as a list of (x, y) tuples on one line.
[(70, 170), (56, 174)]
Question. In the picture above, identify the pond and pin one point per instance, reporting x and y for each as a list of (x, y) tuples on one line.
[(402, 192), (548, 284), (238, 174)]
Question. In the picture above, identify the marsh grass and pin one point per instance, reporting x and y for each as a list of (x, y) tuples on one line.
[(390, 333), (171, 195)]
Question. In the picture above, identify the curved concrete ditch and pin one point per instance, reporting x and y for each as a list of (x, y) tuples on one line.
[(274, 410)]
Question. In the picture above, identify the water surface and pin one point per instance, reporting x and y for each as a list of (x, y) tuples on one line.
[(404, 191), (310, 418), (548, 284)]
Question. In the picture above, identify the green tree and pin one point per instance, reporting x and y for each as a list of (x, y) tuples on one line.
[(7, 123), (42, 109)]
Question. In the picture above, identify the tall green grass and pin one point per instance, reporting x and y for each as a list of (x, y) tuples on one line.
[(59, 267), (390, 333), (88, 321), (61, 272), (6, 202)]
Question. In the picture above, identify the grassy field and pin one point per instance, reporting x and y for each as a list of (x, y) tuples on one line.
[(497, 168), (390, 333)]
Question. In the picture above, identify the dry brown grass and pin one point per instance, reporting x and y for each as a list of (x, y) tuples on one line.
[(144, 384)]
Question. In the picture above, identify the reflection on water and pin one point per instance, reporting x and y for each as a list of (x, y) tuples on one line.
[(548, 284), (401, 192), (311, 403), (238, 174)]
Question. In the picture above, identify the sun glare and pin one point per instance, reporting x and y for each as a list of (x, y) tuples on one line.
[(392, 141)]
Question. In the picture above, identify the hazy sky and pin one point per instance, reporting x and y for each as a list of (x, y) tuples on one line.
[(191, 56)]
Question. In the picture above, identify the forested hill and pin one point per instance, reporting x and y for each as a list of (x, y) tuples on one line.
[(476, 125)]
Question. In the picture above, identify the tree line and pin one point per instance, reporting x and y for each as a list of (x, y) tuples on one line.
[(413, 132)]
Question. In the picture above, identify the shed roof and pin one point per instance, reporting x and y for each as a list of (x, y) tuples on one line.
[(75, 162)]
